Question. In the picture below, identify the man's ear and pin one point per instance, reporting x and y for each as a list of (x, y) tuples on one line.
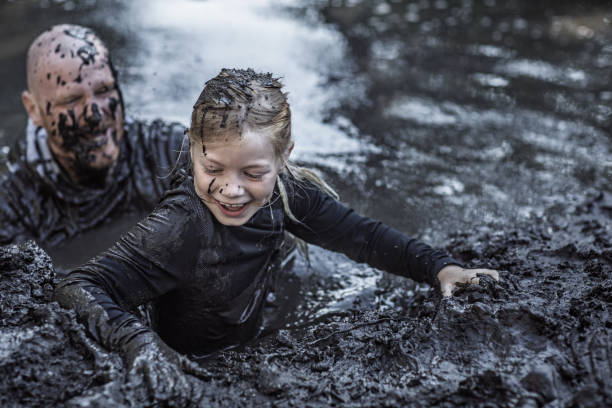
[(31, 107)]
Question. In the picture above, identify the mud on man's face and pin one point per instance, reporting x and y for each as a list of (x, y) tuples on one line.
[(80, 107)]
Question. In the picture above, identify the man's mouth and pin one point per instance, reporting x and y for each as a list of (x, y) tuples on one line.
[(97, 139)]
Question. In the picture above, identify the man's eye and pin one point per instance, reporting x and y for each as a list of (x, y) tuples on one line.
[(70, 100), (103, 90)]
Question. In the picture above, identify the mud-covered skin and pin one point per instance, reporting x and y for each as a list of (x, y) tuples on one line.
[(71, 75), (51, 208), (540, 336)]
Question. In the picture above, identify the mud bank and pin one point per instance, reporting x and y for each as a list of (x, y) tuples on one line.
[(541, 337)]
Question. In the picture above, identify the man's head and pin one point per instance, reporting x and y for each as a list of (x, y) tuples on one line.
[(72, 93)]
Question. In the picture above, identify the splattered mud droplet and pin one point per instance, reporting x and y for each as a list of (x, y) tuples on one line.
[(112, 105), (211, 184)]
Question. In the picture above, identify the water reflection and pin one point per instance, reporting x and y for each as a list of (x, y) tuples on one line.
[(179, 52), (484, 111)]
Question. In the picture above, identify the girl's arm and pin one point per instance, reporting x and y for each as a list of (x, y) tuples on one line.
[(327, 223), (152, 259)]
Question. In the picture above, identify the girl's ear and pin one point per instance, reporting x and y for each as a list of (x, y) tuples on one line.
[(288, 152)]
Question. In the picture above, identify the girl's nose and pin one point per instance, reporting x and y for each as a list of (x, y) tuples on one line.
[(231, 190)]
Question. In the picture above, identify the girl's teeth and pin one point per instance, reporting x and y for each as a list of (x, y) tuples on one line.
[(233, 206)]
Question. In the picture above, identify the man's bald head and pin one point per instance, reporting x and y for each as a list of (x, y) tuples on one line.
[(72, 94), (59, 44)]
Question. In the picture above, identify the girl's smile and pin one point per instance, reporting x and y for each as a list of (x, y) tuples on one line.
[(232, 210)]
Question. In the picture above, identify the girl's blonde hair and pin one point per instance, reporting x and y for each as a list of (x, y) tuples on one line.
[(239, 99)]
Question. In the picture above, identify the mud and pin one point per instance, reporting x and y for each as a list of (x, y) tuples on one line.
[(75, 137), (540, 337), (87, 52)]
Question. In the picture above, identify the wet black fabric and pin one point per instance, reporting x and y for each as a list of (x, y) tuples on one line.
[(50, 208), (210, 280)]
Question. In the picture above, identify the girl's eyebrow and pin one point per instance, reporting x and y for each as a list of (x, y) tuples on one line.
[(213, 161), (250, 166)]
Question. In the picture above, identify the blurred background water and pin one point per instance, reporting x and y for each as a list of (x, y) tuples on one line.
[(433, 116)]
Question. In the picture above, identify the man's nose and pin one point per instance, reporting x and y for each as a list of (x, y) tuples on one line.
[(95, 110), (92, 115)]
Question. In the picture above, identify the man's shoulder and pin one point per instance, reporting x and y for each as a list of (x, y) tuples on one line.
[(19, 179)]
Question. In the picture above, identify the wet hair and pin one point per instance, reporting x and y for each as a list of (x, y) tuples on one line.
[(237, 100)]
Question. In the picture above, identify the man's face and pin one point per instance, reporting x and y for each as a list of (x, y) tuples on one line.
[(79, 106)]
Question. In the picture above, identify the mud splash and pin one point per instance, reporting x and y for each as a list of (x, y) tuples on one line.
[(541, 337)]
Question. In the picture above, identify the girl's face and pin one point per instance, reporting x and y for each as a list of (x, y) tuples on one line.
[(235, 176)]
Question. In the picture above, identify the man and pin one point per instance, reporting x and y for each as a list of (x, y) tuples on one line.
[(82, 160)]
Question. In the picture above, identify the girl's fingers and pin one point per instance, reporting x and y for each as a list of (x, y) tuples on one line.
[(466, 276), (491, 272)]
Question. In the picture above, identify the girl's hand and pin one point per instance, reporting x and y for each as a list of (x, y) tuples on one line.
[(163, 371), (450, 275)]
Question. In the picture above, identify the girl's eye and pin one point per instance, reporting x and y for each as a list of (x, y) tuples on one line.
[(254, 176)]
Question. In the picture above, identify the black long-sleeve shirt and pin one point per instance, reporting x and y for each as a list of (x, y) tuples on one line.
[(209, 280)]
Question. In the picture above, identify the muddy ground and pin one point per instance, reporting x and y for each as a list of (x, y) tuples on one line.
[(540, 337)]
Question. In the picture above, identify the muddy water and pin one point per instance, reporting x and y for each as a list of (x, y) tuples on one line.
[(540, 337), (483, 126)]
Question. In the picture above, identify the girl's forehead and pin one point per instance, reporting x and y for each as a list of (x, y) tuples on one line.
[(239, 139), (229, 148)]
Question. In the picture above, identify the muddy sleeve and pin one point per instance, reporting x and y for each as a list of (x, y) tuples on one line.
[(329, 224), (156, 256)]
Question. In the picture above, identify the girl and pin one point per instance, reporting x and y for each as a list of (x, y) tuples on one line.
[(206, 253)]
